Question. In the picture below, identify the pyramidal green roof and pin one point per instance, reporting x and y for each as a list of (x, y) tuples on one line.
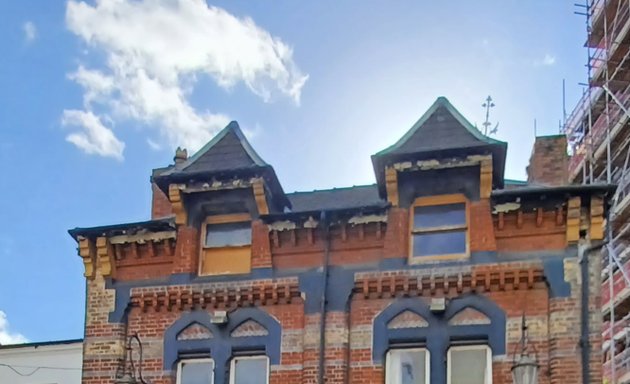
[(441, 127)]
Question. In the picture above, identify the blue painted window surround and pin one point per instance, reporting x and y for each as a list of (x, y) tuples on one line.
[(438, 336), (222, 348)]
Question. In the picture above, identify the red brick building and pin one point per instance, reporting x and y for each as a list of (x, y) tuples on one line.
[(423, 277)]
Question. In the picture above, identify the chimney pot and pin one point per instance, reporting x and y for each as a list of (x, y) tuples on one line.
[(181, 155)]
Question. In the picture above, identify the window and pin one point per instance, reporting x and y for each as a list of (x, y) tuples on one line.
[(470, 364), (226, 245), (195, 371), (407, 366), (439, 227), (249, 370), (228, 235)]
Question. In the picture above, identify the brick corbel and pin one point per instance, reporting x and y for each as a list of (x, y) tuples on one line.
[(573, 219), (451, 284), (87, 252), (177, 202), (105, 257), (187, 298), (485, 178), (391, 185), (597, 218), (261, 198)]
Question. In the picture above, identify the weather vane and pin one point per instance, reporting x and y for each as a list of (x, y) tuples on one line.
[(486, 124)]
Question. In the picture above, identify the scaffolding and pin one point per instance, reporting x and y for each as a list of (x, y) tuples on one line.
[(598, 133)]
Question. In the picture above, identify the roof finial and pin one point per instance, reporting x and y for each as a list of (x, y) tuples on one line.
[(181, 155), (486, 124)]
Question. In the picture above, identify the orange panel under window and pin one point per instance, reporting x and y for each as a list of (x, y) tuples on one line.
[(226, 261)]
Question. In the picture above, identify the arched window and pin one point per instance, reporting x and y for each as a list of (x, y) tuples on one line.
[(198, 348), (413, 340)]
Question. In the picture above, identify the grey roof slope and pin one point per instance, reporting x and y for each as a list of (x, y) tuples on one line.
[(441, 132), (336, 199), (228, 150), (440, 127)]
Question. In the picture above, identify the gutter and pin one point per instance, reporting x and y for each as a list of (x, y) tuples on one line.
[(583, 253), (323, 220)]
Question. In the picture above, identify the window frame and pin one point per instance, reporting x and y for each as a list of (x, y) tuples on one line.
[(246, 357), (235, 218), (431, 201), (488, 378), (194, 360), (427, 362)]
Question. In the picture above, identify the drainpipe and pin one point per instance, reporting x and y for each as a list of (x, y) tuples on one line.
[(583, 252), (323, 222)]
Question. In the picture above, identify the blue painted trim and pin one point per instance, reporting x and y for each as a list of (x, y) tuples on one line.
[(438, 335), (222, 346), (554, 274), (341, 279)]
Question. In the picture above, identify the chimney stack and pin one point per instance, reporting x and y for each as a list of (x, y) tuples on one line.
[(549, 161)]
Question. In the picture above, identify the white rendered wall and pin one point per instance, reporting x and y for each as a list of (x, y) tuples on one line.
[(67, 356)]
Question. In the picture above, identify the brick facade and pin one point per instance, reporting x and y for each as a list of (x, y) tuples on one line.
[(345, 271)]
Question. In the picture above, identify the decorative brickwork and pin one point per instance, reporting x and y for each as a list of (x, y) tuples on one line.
[(469, 316), (407, 319), (195, 331), (329, 289), (249, 328)]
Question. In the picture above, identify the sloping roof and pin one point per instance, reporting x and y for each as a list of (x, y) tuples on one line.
[(41, 344), (440, 127), (228, 150), (336, 199), (164, 224), (441, 132), (560, 189)]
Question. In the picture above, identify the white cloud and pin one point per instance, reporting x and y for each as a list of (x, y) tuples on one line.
[(546, 61), (6, 336), (153, 145), (94, 137), (157, 49), (30, 31)]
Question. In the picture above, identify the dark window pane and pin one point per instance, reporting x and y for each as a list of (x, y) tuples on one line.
[(250, 370), (196, 372), (228, 235), (439, 243), (439, 215)]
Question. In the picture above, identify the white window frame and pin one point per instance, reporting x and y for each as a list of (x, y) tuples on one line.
[(247, 357), (427, 363), (193, 361), (488, 379)]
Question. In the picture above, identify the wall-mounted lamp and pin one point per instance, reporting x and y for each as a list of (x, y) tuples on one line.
[(525, 368), (127, 370)]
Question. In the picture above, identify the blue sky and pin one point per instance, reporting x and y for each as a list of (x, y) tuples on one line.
[(93, 95)]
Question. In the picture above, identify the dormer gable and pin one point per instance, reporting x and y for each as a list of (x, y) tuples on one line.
[(442, 138), (227, 163)]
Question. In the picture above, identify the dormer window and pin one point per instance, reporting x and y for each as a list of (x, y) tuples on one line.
[(228, 235), (226, 242), (439, 228)]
